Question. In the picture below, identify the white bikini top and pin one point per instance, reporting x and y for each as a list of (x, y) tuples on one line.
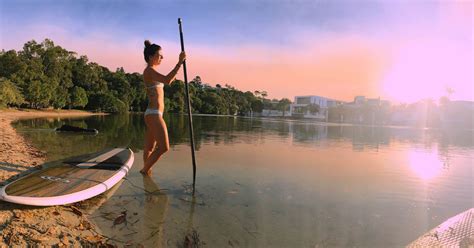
[(156, 85)]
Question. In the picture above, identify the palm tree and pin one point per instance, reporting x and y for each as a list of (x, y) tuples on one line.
[(449, 92), (283, 105)]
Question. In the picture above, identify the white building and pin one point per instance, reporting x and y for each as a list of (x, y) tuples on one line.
[(315, 107), (375, 102)]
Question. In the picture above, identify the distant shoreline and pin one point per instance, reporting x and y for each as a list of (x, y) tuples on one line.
[(38, 113), (14, 113)]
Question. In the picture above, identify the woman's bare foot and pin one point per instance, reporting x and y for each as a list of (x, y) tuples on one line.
[(146, 172)]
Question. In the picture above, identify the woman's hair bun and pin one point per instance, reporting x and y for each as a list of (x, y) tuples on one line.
[(150, 49), (147, 43)]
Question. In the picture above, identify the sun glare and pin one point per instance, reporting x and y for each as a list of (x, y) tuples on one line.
[(425, 165), (425, 69)]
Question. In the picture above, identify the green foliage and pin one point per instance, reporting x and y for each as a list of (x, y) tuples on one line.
[(11, 63), (256, 105), (283, 105), (78, 97), (176, 94), (38, 93), (45, 75), (9, 93), (138, 98), (106, 102)]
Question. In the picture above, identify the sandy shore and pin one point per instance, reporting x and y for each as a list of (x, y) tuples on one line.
[(61, 226)]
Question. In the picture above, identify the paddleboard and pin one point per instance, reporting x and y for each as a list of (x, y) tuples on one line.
[(457, 231), (71, 180)]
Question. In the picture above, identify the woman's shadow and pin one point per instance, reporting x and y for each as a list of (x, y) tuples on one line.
[(11, 173), (15, 170), (13, 167)]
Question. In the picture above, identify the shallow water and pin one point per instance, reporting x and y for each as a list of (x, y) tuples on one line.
[(275, 183)]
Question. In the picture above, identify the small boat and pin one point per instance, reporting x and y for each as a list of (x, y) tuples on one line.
[(68, 128)]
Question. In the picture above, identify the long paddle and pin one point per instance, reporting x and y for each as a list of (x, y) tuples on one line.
[(191, 133)]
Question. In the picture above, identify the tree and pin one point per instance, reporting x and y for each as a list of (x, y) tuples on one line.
[(44, 75), (444, 100), (87, 75), (449, 92), (47, 76), (138, 98), (175, 92), (78, 97), (9, 93), (257, 105), (257, 94), (106, 102), (212, 103), (38, 94), (10, 63), (118, 85), (242, 102), (198, 81), (283, 105)]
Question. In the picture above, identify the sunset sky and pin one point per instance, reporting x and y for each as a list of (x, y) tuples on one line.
[(399, 50)]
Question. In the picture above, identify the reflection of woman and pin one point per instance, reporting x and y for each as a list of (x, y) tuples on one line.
[(156, 136), (155, 207)]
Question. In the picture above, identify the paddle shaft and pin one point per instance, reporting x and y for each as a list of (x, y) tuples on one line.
[(191, 133)]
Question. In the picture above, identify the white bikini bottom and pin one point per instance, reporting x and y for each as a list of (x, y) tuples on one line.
[(153, 112)]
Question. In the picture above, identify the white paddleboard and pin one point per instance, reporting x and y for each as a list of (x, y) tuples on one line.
[(72, 180), (457, 231)]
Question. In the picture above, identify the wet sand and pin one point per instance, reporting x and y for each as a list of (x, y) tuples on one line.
[(62, 226)]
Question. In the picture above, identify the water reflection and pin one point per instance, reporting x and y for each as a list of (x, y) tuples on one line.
[(278, 183), (426, 165), (128, 130), (144, 206), (155, 206)]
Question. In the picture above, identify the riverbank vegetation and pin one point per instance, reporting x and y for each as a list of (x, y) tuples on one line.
[(45, 75)]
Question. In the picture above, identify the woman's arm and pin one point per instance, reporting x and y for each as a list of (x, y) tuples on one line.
[(156, 76)]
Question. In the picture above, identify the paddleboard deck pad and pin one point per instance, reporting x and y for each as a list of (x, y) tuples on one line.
[(71, 180), (457, 231)]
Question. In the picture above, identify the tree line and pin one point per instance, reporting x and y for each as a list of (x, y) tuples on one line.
[(45, 75)]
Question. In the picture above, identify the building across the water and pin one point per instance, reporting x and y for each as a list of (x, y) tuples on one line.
[(315, 107), (457, 114)]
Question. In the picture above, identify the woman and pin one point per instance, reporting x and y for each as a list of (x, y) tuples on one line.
[(156, 136)]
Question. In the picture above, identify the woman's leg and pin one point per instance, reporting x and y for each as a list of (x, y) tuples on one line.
[(159, 132), (150, 143)]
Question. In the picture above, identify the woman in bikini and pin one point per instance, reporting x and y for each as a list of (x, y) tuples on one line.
[(156, 136)]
